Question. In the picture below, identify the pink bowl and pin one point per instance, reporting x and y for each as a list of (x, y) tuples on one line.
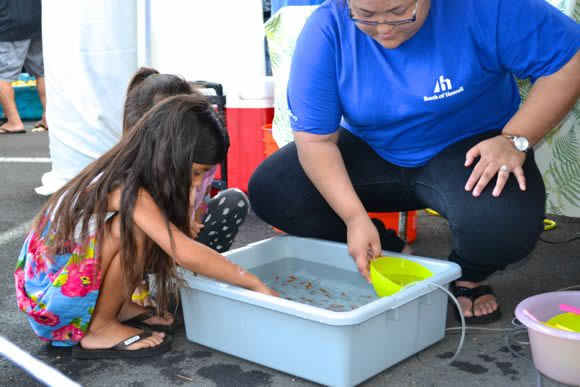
[(556, 352)]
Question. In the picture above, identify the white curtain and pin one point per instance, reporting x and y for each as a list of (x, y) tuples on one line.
[(90, 53), (212, 40)]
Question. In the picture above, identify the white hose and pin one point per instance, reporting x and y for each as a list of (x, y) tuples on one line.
[(463, 326)]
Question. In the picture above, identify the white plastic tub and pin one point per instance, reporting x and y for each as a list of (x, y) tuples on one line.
[(361, 337), (556, 353)]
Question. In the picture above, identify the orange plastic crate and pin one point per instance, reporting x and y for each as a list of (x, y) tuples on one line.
[(391, 220)]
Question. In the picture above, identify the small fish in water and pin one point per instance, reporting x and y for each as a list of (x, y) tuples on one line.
[(291, 279), (325, 292), (343, 294), (308, 285)]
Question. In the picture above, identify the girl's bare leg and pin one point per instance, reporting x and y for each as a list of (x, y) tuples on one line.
[(104, 329), (130, 309)]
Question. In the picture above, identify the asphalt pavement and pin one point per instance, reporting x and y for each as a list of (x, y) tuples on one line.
[(485, 360)]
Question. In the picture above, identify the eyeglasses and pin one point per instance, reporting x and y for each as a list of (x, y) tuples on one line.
[(412, 19)]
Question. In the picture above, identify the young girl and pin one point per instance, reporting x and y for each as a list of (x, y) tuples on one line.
[(214, 222), (209, 216), (123, 216)]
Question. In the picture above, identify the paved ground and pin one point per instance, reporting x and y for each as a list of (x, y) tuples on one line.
[(484, 360)]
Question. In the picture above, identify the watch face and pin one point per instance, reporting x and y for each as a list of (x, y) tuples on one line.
[(521, 143)]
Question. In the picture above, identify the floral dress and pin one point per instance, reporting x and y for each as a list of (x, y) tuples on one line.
[(57, 292)]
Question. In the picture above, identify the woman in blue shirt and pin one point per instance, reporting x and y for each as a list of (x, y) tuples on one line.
[(399, 105)]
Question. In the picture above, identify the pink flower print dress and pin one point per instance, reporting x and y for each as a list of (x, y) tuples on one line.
[(57, 292)]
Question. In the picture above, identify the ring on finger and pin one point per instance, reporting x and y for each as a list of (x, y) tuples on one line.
[(504, 168)]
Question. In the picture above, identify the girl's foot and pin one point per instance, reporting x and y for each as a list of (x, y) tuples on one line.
[(484, 305), (109, 334), (130, 310)]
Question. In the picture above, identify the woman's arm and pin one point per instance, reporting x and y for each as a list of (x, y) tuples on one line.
[(188, 253), (549, 100), (321, 159)]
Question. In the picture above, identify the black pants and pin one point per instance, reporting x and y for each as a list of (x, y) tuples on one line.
[(225, 214), (488, 232)]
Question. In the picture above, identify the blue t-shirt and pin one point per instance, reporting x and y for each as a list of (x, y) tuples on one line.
[(451, 80)]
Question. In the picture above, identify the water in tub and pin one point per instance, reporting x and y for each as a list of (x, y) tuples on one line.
[(315, 284)]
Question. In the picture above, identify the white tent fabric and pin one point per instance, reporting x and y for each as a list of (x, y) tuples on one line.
[(212, 40), (90, 52), (91, 49)]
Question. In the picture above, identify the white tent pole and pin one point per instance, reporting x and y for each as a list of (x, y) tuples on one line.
[(144, 33), (33, 366)]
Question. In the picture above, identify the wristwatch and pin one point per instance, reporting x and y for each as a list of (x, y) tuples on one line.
[(521, 143)]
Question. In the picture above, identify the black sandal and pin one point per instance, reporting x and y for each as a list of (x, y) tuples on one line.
[(120, 351), (473, 294), (139, 322)]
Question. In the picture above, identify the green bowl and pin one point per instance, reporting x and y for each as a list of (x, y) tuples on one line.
[(390, 274), (566, 321)]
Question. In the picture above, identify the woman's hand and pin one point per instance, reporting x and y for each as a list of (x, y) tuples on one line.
[(364, 243), (498, 156)]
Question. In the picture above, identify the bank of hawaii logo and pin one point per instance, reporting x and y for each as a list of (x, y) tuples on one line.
[(443, 89)]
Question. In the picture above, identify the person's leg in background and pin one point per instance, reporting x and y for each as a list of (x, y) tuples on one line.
[(283, 196), (489, 232), (226, 212), (12, 56), (34, 63)]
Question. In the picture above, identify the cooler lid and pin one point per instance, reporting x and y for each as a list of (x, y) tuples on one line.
[(251, 93)]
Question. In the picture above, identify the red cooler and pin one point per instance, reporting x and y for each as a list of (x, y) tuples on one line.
[(247, 111)]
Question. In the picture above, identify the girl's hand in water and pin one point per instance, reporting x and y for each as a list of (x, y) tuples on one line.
[(262, 288)]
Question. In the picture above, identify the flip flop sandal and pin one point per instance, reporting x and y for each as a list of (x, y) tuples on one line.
[(4, 131), (474, 294), (40, 127), (120, 351), (139, 322)]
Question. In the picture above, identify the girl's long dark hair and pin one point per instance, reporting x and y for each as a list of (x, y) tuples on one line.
[(146, 88), (157, 156)]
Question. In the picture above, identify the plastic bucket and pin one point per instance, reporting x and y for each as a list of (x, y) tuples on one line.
[(270, 145), (390, 274), (556, 352)]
